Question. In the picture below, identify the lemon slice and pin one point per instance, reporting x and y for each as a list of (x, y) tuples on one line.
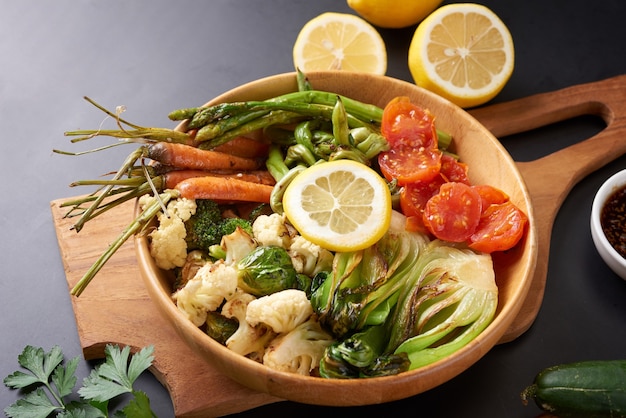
[(340, 205), (339, 41), (463, 52)]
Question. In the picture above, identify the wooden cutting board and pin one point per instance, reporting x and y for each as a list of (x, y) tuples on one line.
[(117, 309)]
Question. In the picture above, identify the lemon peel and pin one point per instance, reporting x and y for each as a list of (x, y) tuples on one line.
[(393, 13)]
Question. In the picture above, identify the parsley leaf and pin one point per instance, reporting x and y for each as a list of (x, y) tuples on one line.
[(139, 407), (116, 376), (35, 404), (39, 363), (64, 378), (49, 376)]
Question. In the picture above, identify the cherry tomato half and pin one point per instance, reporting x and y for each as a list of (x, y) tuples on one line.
[(501, 226), (413, 199), (491, 195), (454, 212), (408, 124), (454, 170), (407, 164)]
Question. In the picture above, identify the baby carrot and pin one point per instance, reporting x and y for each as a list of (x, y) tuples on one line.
[(252, 176), (242, 146), (185, 156), (224, 189), (172, 178)]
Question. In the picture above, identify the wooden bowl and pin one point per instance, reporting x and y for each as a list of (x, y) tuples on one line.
[(489, 163)]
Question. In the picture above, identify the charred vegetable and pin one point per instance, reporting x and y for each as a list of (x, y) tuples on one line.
[(266, 270), (406, 297), (444, 307)]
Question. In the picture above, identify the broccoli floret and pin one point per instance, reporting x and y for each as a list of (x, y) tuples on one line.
[(207, 226), (229, 225), (201, 227), (262, 209)]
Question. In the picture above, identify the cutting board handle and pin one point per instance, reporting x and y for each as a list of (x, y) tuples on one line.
[(606, 99), (549, 179)]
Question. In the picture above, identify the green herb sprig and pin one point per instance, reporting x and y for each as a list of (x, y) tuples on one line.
[(49, 383)]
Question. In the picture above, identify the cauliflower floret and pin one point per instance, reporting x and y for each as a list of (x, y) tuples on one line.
[(237, 245), (194, 262), (248, 340), (309, 258), (300, 350), (271, 230), (206, 291), (168, 246), (183, 208), (282, 311)]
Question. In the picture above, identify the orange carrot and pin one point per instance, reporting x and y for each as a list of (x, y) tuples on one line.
[(252, 176), (242, 146), (186, 156), (173, 177), (224, 189)]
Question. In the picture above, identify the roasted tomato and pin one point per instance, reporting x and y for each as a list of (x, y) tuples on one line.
[(453, 170), (413, 198), (500, 228), (491, 195), (407, 165), (454, 212), (405, 123)]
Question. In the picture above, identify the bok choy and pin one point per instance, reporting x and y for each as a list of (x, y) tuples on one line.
[(451, 301), (364, 285), (404, 303)]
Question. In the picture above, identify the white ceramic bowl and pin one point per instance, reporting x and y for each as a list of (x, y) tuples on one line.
[(489, 164), (611, 257)]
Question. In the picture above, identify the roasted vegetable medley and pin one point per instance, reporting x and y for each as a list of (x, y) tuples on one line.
[(212, 207)]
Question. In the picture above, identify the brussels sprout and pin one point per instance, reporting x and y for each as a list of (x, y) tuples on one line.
[(219, 327), (266, 270)]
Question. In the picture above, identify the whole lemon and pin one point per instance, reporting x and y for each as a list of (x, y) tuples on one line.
[(393, 13)]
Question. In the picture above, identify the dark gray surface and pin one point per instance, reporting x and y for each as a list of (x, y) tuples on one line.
[(156, 56)]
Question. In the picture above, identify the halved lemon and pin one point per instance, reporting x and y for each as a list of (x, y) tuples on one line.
[(463, 52), (341, 205), (339, 41)]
